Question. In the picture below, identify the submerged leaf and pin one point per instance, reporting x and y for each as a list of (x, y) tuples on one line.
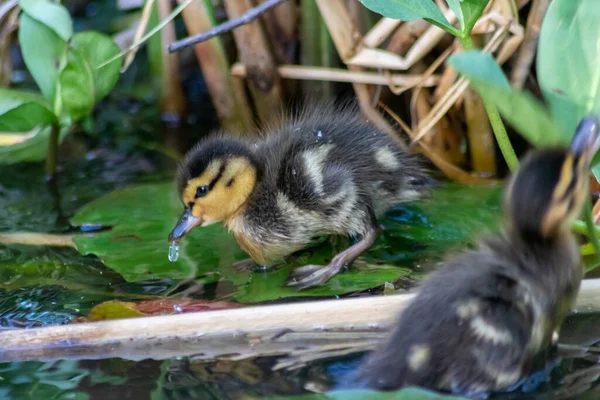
[(114, 309)]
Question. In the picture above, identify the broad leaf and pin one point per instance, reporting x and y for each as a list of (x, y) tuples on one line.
[(44, 53), (568, 60), (408, 10), (77, 87), (142, 216), (467, 12), (22, 111), (95, 48), (526, 114), (32, 149), (54, 16)]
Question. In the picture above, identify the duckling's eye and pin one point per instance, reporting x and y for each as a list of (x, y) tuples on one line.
[(201, 191)]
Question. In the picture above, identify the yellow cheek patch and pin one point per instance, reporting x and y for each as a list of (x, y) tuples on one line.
[(189, 193)]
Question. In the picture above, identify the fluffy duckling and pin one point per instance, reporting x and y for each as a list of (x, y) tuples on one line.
[(480, 321), (325, 171)]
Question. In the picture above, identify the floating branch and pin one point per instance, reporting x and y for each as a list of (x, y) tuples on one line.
[(243, 19), (301, 331)]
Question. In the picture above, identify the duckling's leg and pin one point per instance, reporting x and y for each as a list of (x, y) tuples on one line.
[(315, 275)]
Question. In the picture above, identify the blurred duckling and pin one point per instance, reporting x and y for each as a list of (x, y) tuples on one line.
[(326, 171), (478, 323)]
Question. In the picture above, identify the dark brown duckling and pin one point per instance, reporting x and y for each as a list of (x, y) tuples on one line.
[(479, 322), (326, 171)]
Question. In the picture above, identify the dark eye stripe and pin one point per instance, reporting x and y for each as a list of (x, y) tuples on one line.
[(218, 176)]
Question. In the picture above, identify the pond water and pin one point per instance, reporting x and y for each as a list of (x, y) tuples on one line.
[(44, 285)]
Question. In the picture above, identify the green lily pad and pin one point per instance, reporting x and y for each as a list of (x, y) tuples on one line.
[(142, 216)]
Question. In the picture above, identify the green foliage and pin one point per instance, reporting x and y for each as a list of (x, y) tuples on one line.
[(51, 15), (408, 10), (526, 114), (33, 149), (44, 53), (22, 111), (142, 216), (568, 69), (76, 87), (568, 60), (95, 47), (63, 66), (467, 12)]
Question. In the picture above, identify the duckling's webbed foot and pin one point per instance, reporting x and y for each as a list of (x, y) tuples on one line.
[(316, 275)]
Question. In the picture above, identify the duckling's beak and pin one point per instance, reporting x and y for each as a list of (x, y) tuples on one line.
[(586, 140), (186, 223)]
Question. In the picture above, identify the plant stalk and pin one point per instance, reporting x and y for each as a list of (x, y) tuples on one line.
[(52, 152), (591, 226), (494, 116)]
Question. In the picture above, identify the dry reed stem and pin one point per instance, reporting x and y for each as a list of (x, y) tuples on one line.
[(481, 137), (450, 170), (37, 239), (231, 104), (341, 75), (380, 32), (141, 28), (172, 99), (9, 21), (526, 54), (253, 52), (281, 23), (444, 104)]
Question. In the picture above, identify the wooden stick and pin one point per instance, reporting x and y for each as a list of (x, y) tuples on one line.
[(233, 23), (288, 329), (342, 75)]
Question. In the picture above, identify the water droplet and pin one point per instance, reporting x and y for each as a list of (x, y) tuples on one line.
[(178, 308), (293, 172), (319, 134), (173, 251)]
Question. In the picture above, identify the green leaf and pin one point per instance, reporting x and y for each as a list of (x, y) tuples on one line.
[(568, 60), (408, 10), (467, 12), (54, 16), (526, 114), (142, 216), (33, 149), (77, 87), (22, 111), (95, 48), (44, 53)]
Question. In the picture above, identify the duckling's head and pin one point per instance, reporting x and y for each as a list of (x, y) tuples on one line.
[(551, 185), (214, 181)]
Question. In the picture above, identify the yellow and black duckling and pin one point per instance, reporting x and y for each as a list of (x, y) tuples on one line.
[(326, 171), (479, 322)]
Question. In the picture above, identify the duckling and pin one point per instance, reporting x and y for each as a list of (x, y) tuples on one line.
[(477, 325), (325, 171)]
